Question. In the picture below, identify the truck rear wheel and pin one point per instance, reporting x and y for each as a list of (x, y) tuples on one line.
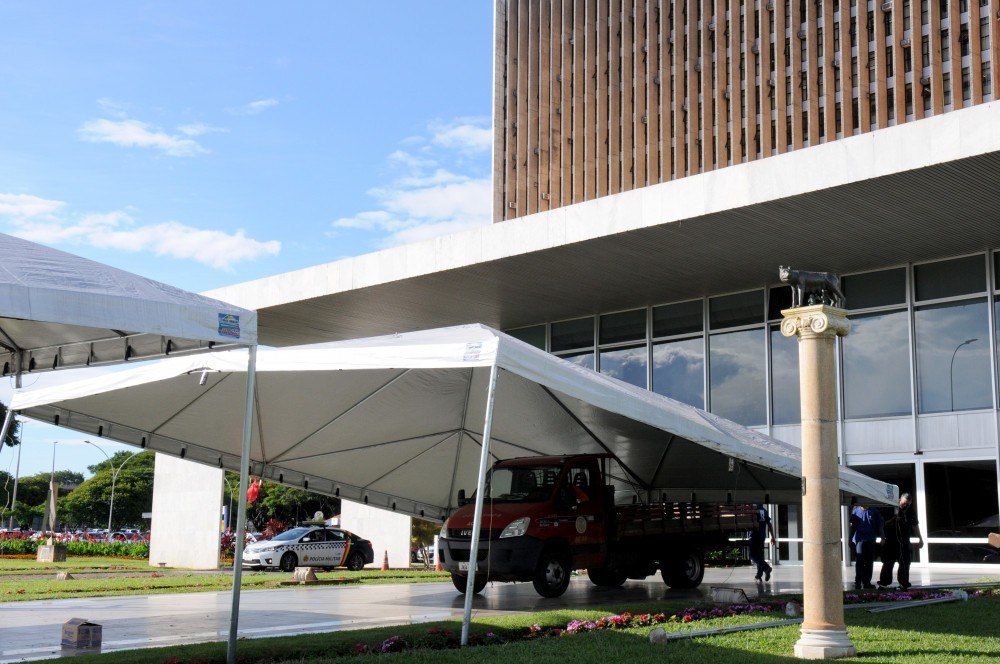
[(552, 574), (606, 578), (683, 570), (461, 582)]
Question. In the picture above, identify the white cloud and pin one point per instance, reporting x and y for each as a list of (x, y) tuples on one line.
[(23, 206), (133, 133), (426, 198), (200, 128), (255, 107), (113, 108), (36, 220), (464, 135)]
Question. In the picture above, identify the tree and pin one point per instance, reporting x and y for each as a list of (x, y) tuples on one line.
[(282, 503), (33, 492), (13, 436), (422, 537), (88, 505)]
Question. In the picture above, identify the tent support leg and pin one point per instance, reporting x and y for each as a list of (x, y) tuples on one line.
[(8, 422), (241, 516), (477, 523)]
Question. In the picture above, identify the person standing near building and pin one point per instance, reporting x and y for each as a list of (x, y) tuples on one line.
[(866, 525), (896, 544), (761, 527)]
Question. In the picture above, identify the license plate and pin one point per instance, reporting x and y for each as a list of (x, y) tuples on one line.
[(463, 567)]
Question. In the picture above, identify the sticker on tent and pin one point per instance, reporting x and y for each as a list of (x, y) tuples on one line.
[(472, 351), (229, 326)]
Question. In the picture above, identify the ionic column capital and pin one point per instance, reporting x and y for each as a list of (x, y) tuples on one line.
[(815, 321)]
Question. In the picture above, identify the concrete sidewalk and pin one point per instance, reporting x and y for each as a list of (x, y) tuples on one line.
[(31, 630)]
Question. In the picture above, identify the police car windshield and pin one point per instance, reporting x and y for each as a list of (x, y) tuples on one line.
[(521, 484), (292, 534)]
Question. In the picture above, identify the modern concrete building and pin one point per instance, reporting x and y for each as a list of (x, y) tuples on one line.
[(644, 202)]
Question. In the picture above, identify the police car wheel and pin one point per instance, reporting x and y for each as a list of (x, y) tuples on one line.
[(462, 583), (289, 562), (355, 562)]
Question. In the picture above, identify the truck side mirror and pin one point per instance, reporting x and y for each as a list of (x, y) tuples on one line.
[(461, 497)]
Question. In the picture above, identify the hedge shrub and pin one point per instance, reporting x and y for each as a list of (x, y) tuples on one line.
[(105, 549)]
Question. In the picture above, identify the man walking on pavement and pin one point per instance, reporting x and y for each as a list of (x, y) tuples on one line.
[(762, 526), (866, 526), (896, 544)]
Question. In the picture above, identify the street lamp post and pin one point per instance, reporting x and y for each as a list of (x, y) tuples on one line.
[(951, 371), (114, 479)]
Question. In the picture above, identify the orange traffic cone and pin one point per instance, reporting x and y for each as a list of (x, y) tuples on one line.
[(438, 567), (385, 561)]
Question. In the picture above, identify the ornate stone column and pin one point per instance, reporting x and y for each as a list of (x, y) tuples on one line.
[(824, 635)]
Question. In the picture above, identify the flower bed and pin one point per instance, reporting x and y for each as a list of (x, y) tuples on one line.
[(442, 638), (17, 547)]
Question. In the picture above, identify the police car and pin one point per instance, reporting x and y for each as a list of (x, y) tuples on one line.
[(310, 546)]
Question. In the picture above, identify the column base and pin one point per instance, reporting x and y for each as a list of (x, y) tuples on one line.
[(824, 644)]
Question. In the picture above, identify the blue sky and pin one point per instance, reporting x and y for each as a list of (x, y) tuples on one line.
[(206, 144)]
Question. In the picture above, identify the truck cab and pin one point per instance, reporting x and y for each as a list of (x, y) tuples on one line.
[(542, 518), (546, 516)]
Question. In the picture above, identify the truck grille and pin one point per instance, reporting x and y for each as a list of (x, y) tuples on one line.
[(466, 534)]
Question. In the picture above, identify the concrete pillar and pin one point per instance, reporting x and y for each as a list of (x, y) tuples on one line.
[(824, 634)]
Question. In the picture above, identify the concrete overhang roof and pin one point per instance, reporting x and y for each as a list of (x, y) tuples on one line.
[(921, 190)]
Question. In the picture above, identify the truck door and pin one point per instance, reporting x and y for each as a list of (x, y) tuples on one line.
[(582, 519)]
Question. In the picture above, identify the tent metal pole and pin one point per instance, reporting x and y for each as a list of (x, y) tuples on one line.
[(477, 523), (241, 516), (8, 422)]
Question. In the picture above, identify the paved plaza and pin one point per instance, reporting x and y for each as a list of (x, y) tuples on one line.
[(31, 630)]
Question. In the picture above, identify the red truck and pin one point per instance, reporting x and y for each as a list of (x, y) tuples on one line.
[(546, 516)]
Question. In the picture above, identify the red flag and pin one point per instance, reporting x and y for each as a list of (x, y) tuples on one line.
[(253, 491)]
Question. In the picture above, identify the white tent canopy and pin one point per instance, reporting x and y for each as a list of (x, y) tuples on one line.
[(61, 310), (397, 422), (58, 310)]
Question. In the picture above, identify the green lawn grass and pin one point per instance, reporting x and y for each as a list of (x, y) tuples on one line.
[(957, 632), (73, 565), (16, 586)]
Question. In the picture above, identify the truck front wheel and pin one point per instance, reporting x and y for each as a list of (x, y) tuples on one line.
[(461, 582), (683, 570), (606, 578), (552, 574)]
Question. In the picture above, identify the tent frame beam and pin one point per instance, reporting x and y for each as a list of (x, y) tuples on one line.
[(645, 485)]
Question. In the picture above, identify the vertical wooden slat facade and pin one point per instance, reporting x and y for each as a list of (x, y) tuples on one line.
[(594, 97)]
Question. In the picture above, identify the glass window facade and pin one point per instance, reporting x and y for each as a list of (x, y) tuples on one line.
[(876, 366), (785, 403), (953, 350), (936, 322), (736, 376), (679, 370)]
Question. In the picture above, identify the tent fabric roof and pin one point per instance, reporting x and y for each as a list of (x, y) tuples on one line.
[(64, 310), (397, 421)]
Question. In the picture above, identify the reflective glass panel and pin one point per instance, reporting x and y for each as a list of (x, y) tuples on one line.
[(961, 276), (624, 326), (785, 408), (736, 378), (877, 366), (680, 318), (789, 525), (532, 335), (961, 498), (626, 364), (996, 268), (736, 309), (679, 370), (584, 359), (953, 350), (875, 289), (570, 334)]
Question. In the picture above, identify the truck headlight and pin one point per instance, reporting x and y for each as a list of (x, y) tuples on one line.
[(516, 528), (444, 530)]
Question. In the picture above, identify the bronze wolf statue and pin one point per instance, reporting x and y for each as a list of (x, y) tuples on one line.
[(812, 287)]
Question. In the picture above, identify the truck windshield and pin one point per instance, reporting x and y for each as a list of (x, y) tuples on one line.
[(521, 484)]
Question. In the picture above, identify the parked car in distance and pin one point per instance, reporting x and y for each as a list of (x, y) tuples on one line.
[(310, 546)]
